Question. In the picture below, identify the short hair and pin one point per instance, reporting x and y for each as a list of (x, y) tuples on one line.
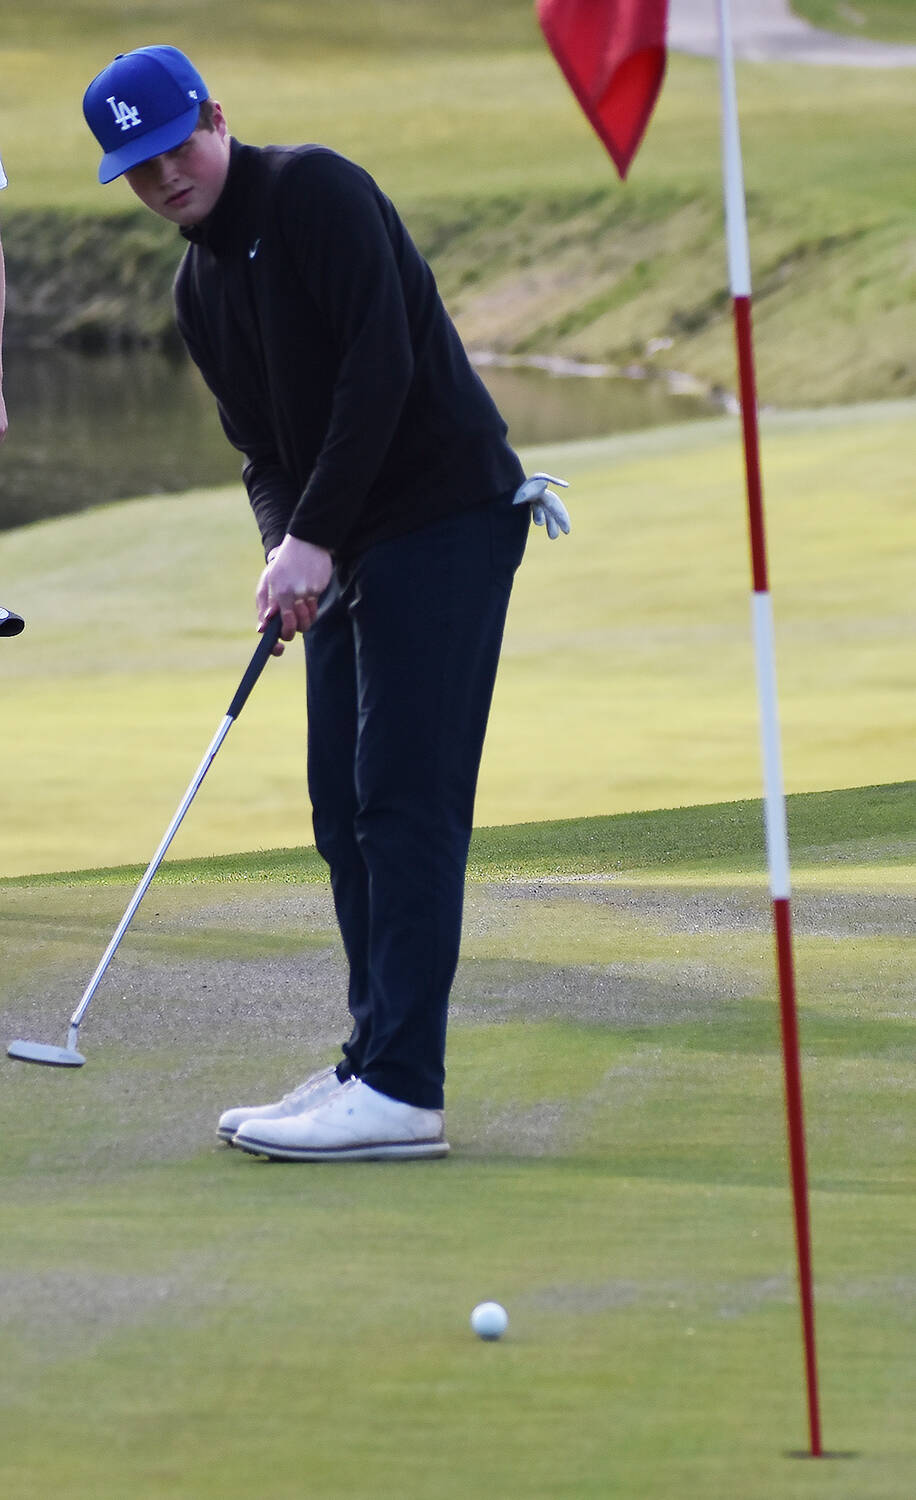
[(205, 118)]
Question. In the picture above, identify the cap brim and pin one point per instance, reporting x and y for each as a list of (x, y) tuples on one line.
[(144, 147)]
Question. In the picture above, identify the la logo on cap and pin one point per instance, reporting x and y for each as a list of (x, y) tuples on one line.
[(127, 115)]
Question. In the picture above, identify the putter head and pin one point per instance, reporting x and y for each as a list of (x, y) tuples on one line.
[(48, 1056)]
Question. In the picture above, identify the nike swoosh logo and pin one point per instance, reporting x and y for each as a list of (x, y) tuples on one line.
[(254, 249)]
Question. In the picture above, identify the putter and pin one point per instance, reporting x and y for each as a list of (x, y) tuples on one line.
[(10, 622), (68, 1056)]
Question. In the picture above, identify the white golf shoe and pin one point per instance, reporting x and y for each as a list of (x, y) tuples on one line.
[(356, 1123), (315, 1090)]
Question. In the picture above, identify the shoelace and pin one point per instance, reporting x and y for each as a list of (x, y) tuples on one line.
[(302, 1089)]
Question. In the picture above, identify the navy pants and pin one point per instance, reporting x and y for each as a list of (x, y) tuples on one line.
[(401, 663)]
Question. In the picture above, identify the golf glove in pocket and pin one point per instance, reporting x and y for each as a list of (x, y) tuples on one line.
[(547, 509)]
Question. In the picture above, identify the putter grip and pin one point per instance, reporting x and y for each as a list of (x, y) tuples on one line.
[(256, 666)]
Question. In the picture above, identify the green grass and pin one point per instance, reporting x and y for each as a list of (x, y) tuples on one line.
[(627, 680), (180, 1321), (876, 20), (863, 826)]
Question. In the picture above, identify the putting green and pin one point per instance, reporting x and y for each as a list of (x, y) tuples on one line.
[(187, 1322), (627, 680)]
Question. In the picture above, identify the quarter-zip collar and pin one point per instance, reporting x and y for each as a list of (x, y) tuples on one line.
[(225, 229)]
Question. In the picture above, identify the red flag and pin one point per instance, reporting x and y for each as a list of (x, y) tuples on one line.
[(613, 55)]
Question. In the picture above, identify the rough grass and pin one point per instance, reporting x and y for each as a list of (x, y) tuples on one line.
[(617, 1180)]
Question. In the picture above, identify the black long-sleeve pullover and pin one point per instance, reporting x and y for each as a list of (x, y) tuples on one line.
[(338, 373)]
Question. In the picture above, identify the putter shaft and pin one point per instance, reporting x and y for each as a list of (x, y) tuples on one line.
[(144, 885), (69, 1056)]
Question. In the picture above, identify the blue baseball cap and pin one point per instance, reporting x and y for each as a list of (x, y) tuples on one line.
[(142, 104)]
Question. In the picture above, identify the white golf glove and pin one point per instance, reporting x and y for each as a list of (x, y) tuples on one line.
[(547, 509)]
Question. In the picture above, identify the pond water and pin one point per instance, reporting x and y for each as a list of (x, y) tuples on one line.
[(86, 430)]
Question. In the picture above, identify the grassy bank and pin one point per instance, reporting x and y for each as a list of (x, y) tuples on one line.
[(834, 833), (538, 248)]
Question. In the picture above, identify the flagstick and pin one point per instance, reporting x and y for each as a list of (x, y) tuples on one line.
[(762, 616)]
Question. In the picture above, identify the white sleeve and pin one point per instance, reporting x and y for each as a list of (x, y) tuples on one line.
[(2, 176)]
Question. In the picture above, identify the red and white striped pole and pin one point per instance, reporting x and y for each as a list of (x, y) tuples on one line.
[(777, 840)]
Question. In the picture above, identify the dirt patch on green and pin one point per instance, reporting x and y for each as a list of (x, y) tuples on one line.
[(173, 1037), (295, 1001), (626, 995), (64, 1313), (700, 909)]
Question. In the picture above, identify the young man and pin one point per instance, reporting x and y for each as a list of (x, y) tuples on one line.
[(3, 421), (378, 470)]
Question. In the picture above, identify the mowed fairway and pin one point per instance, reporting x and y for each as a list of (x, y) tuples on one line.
[(627, 680), (183, 1321)]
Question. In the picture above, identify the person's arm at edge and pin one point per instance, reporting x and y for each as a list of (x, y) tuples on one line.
[(3, 418)]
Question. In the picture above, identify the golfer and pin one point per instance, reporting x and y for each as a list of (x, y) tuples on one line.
[(381, 480)]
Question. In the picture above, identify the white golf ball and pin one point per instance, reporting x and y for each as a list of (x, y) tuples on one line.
[(489, 1320)]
